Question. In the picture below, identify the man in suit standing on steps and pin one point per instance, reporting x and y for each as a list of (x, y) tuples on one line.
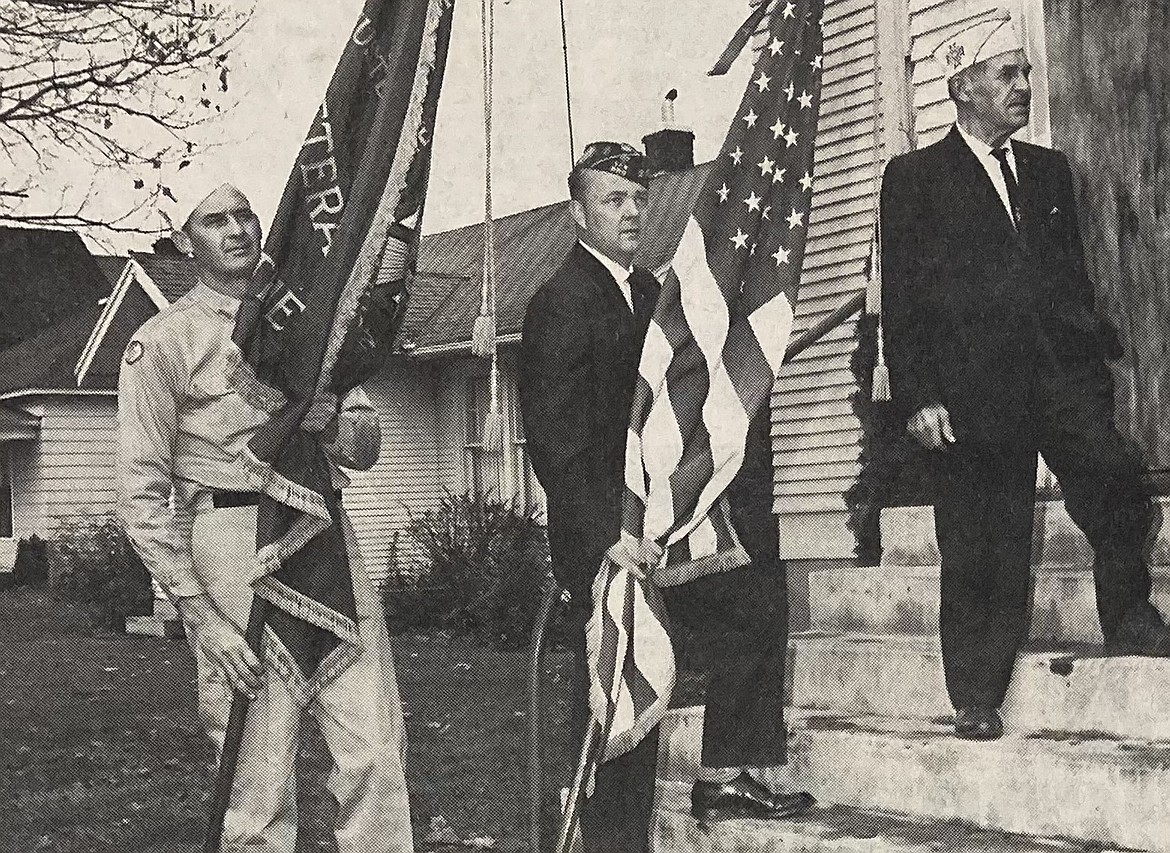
[(996, 353), (583, 336)]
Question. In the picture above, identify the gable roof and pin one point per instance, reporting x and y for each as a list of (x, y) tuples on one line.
[(85, 349), (148, 283), (45, 361), (46, 275), (530, 245), (111, 267), (173, 275)]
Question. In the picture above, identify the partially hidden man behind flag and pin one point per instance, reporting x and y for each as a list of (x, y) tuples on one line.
[(323, 311), (714, 348)]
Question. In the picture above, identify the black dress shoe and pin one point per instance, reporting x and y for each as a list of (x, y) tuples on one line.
[(978, 723), (744, 797), (1142, 632)]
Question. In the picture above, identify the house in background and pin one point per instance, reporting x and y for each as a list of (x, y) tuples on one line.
[(433, 393), (50, 287)]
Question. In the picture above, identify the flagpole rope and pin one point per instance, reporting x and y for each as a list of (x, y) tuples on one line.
[(568, 97), (880, 380), (484, 341)]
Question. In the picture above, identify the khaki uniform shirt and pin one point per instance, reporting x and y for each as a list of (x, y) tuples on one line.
[(181, 427)]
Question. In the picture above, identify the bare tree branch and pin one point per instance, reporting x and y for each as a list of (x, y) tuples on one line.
[(115, 83)]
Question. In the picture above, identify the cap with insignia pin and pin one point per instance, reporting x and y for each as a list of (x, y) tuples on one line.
[(618, 158), (978, 41), (133, 351)]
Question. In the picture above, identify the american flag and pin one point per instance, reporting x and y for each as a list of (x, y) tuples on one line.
[(712, 353)]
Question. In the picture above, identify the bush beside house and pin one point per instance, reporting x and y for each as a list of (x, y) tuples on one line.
[(487, 566), (91, 563)]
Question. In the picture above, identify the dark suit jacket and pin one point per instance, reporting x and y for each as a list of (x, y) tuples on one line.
[(578, 367), (970, 305)]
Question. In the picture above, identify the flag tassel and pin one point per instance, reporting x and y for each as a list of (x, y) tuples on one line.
[(873, 306), (881, 373), (483, 333)]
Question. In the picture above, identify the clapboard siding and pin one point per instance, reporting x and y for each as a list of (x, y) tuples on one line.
[(67, 473), (405, 479)]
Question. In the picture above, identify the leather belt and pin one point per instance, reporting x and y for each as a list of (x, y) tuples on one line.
[(222, 500)]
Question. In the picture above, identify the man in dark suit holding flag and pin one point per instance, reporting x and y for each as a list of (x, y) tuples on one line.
[(583, 338), (996, 354)]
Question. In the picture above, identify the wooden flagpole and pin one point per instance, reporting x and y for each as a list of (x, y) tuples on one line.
[(593, 746), (234, 735)]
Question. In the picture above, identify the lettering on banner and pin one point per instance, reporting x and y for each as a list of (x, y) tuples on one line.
[(364, 32), (287, 306), (319, 174)]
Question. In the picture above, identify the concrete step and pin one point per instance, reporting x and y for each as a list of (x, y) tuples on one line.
[(896, 599), (902, 676), (908, 537), (1110, 792), (833, 829)]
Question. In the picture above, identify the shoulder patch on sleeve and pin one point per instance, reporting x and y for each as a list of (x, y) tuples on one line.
[(133, 351)]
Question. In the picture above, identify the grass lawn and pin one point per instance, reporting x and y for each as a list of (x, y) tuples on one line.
[(100, 749)]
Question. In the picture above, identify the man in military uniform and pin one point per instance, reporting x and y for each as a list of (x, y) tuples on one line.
[(582, 342), (187, 509), (996, 354)]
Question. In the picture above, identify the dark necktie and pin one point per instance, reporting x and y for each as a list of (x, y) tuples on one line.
[(637, 296), (1009, 178)]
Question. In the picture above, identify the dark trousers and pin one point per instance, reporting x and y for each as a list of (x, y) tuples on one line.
[(744, 615), (984, 511)]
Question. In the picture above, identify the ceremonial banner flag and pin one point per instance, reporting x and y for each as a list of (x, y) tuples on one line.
[(322, 311), (714, 348)]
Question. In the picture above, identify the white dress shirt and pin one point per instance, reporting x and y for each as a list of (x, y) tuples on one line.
[(620, 274), (982, 152)]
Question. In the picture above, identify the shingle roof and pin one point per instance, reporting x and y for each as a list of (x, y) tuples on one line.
[(45, 276), (173, 274), (530, 245), (444, 302), (111, 266), (46, 361)]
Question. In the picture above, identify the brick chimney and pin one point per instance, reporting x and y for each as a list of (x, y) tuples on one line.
[(671, 149)]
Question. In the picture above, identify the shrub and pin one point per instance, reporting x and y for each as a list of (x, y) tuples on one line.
[(92, 564), (487, 565), (32, 563)]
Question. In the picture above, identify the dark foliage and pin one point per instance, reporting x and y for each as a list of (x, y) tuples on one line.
[(487, 567), (32, 563), (92, 564)]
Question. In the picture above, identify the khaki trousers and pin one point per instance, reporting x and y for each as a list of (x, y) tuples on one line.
[(359, 712)]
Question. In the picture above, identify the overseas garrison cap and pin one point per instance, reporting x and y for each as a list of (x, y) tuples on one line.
[(617, 158), (182, 189), (979, 41)]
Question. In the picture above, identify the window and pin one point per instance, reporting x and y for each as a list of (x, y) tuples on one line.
[(506, 474), (5, 492)]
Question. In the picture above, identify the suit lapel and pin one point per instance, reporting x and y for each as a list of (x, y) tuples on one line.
[(609, 294), (975, 185), (1029, 179)]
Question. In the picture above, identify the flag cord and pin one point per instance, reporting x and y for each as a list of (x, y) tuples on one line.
[(880, 380), (484, 342)]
